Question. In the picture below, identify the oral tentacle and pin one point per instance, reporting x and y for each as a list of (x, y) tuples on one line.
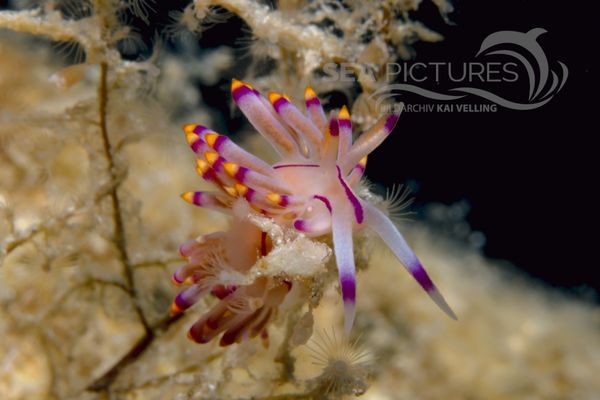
[(303, 126), (369, 140), (314, 109), (382, 225), (248, 100), (344, 258)]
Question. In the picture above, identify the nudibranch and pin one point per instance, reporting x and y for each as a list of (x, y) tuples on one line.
[(310, 189)]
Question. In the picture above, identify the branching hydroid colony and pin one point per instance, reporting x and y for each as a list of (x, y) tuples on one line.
[(310, 189)]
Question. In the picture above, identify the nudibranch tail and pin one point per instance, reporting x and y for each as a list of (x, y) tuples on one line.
[(382, 225)]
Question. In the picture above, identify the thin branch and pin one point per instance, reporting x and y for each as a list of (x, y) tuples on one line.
[(11, 245), (119, 229), (164, 378)]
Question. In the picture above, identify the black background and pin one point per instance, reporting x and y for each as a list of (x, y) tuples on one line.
[(527, 175)]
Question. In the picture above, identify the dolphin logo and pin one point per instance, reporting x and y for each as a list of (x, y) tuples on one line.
[(528, 41), (544, 83)]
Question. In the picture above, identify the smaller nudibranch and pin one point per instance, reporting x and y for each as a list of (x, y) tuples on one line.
[(311, 188)]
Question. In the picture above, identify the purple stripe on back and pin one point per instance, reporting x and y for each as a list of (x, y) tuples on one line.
[(390, 122), (348, 285), (324, 200), (420, 275), (358, 210), (240, 92), (295, 166)]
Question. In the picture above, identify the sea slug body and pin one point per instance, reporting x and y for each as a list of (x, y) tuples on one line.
[(310, 189)]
